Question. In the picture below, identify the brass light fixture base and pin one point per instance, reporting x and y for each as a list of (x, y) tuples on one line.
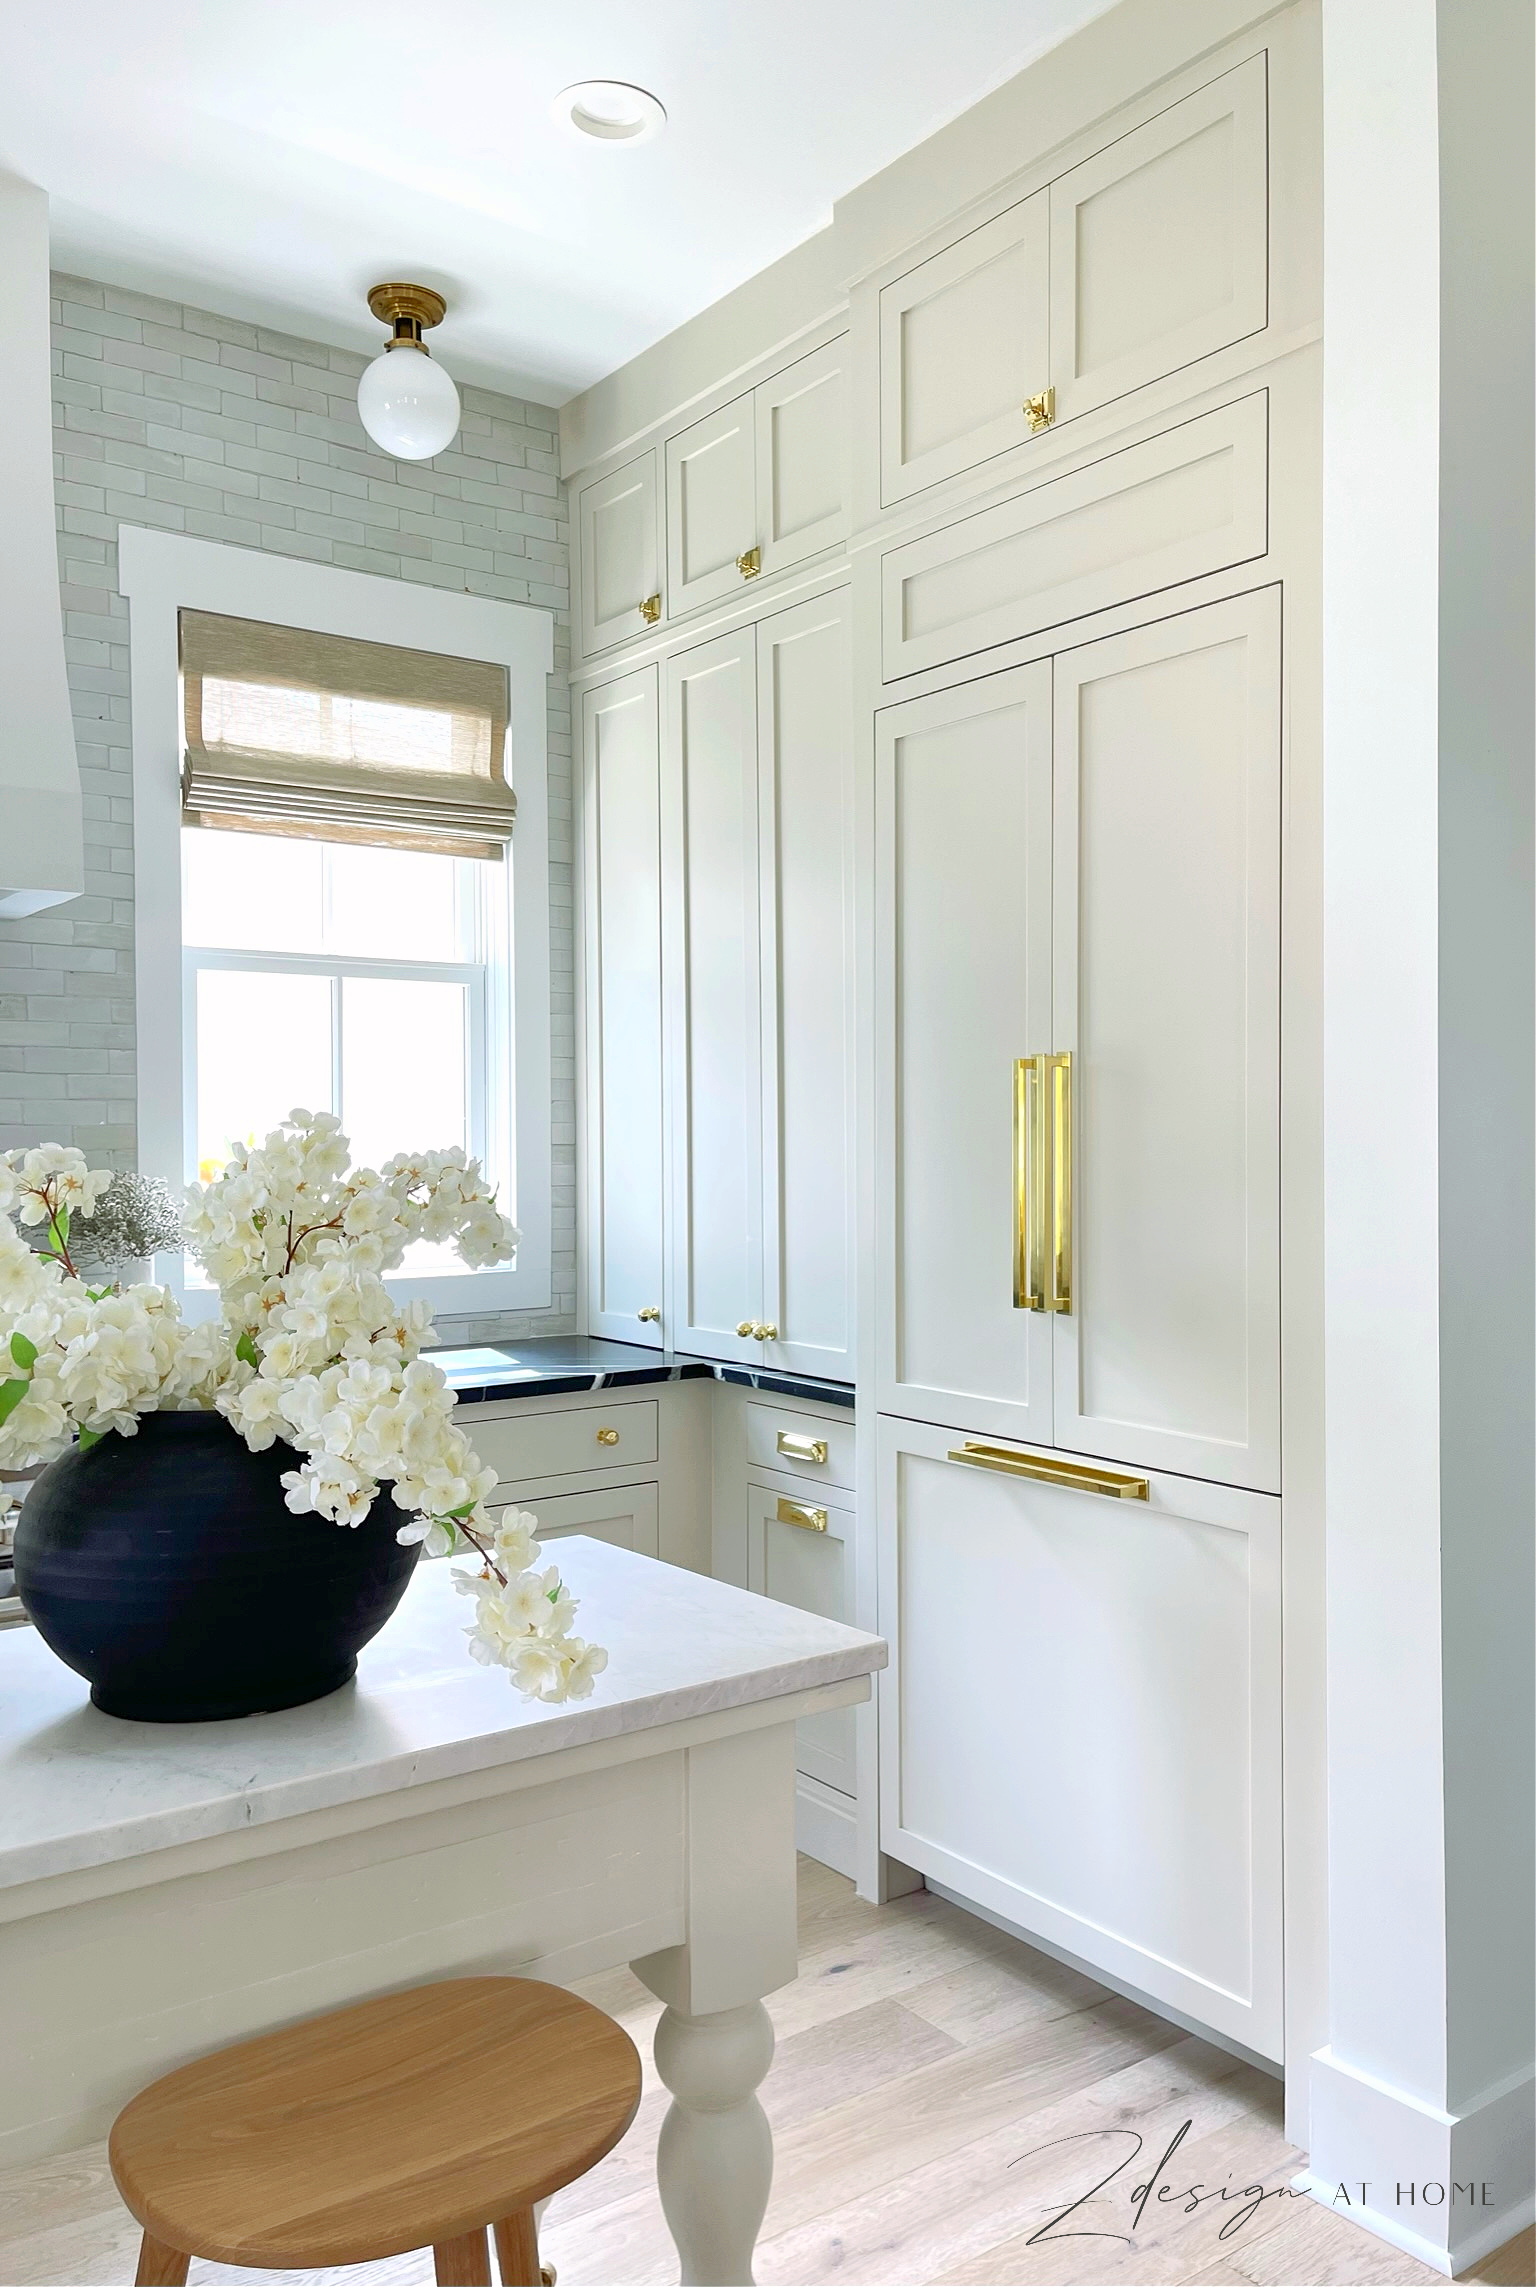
[(418, 304)]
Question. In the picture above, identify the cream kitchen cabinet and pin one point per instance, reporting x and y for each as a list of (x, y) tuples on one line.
[(759, 484), (625, 1515), (757, 798), (624, 1136), (1101, 1765), (800, 1550), (1077, 1045), (618, 519), (1149, 255)]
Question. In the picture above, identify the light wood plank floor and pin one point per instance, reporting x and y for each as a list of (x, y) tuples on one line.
[(930, 2076)]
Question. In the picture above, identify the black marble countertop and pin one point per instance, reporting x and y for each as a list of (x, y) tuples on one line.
[(553, 1364)]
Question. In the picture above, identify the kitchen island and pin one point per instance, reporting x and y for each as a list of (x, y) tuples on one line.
[(165, 1889)]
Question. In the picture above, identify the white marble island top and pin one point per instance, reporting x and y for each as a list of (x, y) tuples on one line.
[(81, 1789)]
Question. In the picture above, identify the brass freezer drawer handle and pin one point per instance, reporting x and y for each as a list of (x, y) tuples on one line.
[(803, 1448), (799, 1513), (1052, 1469)]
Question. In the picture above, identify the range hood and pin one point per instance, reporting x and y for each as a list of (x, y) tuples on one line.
[(41, 853)]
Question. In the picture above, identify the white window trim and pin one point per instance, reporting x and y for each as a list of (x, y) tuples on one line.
[(163, 573)]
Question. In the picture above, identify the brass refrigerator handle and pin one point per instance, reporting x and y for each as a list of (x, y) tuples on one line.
[(1029, 1182), (1061, 1182), (1052, 1469)]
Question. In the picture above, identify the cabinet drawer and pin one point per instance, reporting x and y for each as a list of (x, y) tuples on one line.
[(623, 1515), (801, 1553), (800, 1445), (528, 1445), (1102, 1766), (1191, 501)]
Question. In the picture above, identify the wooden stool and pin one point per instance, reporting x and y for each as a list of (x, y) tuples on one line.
[(412, 2121)]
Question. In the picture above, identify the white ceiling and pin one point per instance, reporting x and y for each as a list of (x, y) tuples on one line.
[(272, 159)]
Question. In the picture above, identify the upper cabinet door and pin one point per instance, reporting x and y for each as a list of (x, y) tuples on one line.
[(711, 862), (621, 852), (963, 1032), (620, 533), (1159, 244), (805, 811), (1167, 993), (711, 507), (802, 458), (964, 340)]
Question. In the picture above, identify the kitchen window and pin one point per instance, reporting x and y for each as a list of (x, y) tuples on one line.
[(354, 839)]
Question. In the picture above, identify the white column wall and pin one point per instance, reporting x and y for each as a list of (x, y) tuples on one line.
[(1428, 1115)]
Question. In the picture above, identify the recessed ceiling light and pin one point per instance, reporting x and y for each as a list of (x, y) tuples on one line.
[(609, 110)]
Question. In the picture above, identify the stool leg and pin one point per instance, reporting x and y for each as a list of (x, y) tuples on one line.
[(463, 2262), (517, 2249), (159, 2265)]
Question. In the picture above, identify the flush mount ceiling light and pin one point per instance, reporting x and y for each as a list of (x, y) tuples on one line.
[(610, 111), (408, 405)]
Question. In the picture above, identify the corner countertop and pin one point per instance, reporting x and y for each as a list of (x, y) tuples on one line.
[(82, 1789), (554, 1364)]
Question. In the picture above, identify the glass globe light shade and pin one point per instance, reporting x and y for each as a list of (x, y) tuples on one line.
[(408, 404)]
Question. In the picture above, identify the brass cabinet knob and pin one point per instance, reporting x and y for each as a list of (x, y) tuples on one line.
[(765, 1334), (1040, 411), (607, 1437), (750, 564), (745, 1328), (650, 610), (650, 1316)]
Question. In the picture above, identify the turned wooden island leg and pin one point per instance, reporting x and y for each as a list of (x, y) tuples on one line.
[(714, 2043)]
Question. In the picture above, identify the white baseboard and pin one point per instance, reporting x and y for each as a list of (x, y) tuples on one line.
[(1376, 2152), (827, 1825)]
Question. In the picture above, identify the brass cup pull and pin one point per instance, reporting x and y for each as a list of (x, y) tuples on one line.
[(1040, 411), (746, 1329), (800, 1513), (750, 564), (650, 1316), (765, 1334), (1052, 1469), (803, 1448), (607, 1437), (650, 610)]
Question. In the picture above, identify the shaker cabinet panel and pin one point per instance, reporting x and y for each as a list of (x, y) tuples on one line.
[(1102, 1766), (802, 458), (1159, 244), (620, 543), (1190, 501), (963, 921), (715, 995), (964, 339), (1167, 996), (800, 1551), (805, 799), (624, 1515), (621, 852), (711, 506)]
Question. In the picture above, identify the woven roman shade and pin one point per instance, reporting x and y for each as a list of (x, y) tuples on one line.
[(335, 740)]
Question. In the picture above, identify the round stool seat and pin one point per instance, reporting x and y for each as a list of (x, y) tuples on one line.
[(398, 2123)]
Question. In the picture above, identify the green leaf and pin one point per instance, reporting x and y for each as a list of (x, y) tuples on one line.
[(60, 1227), (554, 1593), (464, 1509), (90, 1437), (11, 1395), (245, 1350), (23, 1350)]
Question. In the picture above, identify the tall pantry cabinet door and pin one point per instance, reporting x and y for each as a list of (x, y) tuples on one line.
[(619, 526), (710, 890), (964, 340), (963, 1018), (621, 858), (802, 457), (1160, 244), (1167, 994), (805, 793), (711, 506)]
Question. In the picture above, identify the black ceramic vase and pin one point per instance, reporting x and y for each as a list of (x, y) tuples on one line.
[(167, 1570)]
